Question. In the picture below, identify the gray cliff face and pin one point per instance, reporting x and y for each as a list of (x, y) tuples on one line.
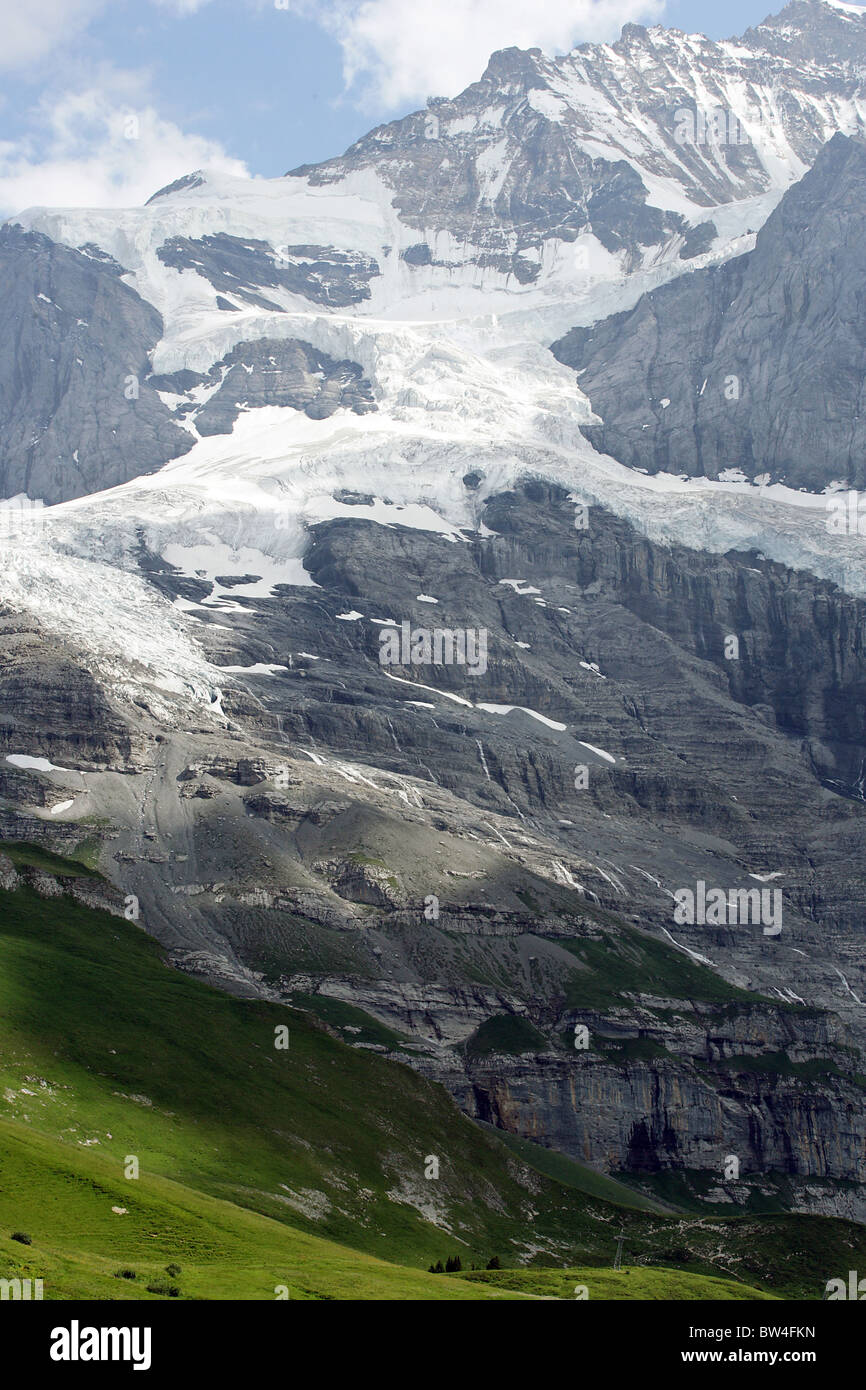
[(723, 770), (756, 365), (244, 270), (293, 855), (50, 701), (76, 411), (269, 371), (80, 407), (653, 1117), (91, 892)]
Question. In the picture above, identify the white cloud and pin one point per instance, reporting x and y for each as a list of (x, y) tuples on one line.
[(90, 148), (182, 7), (76, 150), (32, 28), (398, 52)]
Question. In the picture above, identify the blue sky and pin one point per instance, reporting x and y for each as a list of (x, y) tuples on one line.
[(105, 100)]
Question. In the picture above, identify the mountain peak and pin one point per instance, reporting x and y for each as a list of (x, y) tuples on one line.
[(824, 31), (814, 12), (515, 65), (196, 179)]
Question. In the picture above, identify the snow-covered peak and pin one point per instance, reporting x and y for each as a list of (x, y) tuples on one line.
[(547, 178), (440, 257), (761, 108)]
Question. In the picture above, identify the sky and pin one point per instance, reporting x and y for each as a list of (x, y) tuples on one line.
[(102, 102)]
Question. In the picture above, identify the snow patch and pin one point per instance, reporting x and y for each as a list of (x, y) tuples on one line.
[(533, 714), (608, 757), (31, 764)]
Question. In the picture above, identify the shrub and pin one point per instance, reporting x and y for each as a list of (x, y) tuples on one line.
[(495, 1263), (124, 1274), (172, 1270), (679, 1255), (165, 1290), (22, 1236)]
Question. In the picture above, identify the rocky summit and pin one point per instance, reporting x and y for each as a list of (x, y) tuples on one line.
[(433, 601)]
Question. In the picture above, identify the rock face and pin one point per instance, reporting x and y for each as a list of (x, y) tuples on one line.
[(80, 407), (245, 270), (269, 371), (655, 1117), (91, 892), (76, 411), (731, 757), (434, 863), (757, 365), (493, 167), (51, 706)]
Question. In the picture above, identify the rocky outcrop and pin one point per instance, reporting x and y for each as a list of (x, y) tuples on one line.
[(755, 366), (525, 180), (8, 875), (77, 413), (645, 1118), (269, 371), (244, 270), (53, 708), (93, 892)]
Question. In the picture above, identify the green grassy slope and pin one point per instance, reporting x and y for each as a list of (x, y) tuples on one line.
[(632, 1283), (577, 1175), (64, 1198), (103, 1046), (86, 1229), (106, 1054), (37, 857)]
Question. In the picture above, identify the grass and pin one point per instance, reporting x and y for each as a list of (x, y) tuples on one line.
[(103, 1046), (632, 963), (570, 1173), (82, 1248), (689, 1189), (35, 857), (360, 1027), (628, 1284), (506, 1033), (167, 1241), (780, 1064), (306, 1162)]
